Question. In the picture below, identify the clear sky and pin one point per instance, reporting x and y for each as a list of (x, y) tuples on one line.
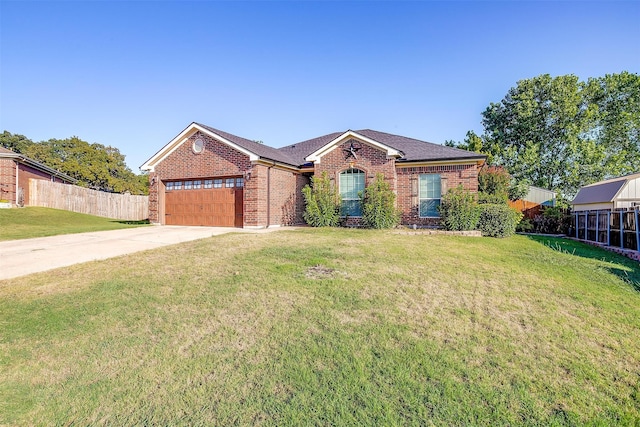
[(134, 74)]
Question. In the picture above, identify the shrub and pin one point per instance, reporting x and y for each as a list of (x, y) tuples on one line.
[(552, 220), (524, 226), (459, 210), (494, 180), (322, 202), (379, 205), (492, 199), (498, 220)]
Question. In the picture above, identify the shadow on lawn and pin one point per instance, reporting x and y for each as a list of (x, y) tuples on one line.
[(628, 270), (140, 222)]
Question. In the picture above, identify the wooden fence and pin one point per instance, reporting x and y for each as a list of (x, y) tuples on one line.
[(84, 200), (616, 228)]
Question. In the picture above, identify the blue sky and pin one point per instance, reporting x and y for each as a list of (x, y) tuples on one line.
[(134, 74)]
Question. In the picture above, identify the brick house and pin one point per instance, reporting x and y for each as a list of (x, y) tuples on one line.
[(15, 172), (205, 176)]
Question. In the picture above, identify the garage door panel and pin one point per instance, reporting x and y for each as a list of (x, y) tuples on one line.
[(211, 207)]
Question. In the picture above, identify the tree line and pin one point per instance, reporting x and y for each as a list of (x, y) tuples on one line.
[(561, 133), (94, 165)]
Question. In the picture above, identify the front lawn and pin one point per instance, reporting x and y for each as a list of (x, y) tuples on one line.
[(327, 327), (31, 221)]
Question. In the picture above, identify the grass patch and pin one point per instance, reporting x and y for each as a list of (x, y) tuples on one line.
[(326, 327), (28, 222)]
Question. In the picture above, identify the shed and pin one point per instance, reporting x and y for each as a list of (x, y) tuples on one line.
[(612, 194)]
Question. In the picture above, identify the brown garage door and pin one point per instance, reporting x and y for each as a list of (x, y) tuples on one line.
[(211, 202)]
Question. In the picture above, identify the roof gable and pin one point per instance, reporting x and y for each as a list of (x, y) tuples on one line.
[(332, 144), (254, 150), (603, 191)]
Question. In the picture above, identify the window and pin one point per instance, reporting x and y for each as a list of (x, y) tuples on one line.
[(188, 185), (177, 185), (430, 191), (169, 186), (208, 183), (351, 183), (229, 182), (239, 182), (197, 185), (217, 183)]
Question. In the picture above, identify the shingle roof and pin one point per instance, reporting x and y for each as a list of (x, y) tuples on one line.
[(603, 191), (300, 150), (412, 149), (415, 149), (5, 150), (264, 151)]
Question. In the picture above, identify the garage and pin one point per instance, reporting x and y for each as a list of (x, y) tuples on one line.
[(216, 202)]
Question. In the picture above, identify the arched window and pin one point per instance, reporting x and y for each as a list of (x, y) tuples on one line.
[(351, 183)]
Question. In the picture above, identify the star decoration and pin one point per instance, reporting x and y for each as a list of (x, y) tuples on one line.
[(351, 151)]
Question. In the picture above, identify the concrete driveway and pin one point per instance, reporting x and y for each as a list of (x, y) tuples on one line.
[(22, 257)]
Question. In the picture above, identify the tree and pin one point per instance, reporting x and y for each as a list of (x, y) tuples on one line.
[(560, 133), (15, 142)]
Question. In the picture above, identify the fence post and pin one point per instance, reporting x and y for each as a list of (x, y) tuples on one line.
[(597, 225), (577, 225), (608, 228), (621, 230), (637, 231)]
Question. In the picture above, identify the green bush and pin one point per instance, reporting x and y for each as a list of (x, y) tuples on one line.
[(322, 202), (492, 199), (459, 210), (379, 205), (498, 220), (524, 226)]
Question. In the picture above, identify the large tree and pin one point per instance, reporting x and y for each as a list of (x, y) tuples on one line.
[(561, 133)]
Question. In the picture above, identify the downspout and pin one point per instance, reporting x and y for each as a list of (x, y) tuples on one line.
[(269, 194), (15, 194)]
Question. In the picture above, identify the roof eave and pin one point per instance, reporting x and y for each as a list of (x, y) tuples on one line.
[(182, 137), (331, 145)]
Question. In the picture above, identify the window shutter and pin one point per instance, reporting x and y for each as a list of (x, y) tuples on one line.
[(443, 185)]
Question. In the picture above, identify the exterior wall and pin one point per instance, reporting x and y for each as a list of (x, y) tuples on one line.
[(273, 197), (11, 191), (8, 180), (593, 207), (217, 159), (452, 175), (371, 160)]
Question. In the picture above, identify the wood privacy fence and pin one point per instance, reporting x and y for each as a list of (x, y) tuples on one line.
[(611, 228), (84, 200)]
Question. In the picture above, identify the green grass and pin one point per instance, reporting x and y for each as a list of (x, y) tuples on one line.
[(28, 222), (327, 327)]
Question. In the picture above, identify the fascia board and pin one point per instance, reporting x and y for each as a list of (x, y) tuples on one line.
[(419, 163), (182, 137), (333, 144)]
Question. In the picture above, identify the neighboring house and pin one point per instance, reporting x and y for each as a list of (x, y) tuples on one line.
[(612, 194), (531, 205), (15, 172), (205, 176)]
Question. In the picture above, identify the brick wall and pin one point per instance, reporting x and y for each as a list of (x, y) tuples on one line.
[(273, 196), (407, 190), (370, 159), (217, 159), (8, 180), (25, 172)]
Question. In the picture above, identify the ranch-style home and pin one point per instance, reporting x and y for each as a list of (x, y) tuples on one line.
[(205, 176), (15, 172)]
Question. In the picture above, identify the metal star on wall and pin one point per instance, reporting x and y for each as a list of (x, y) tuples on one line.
[(351, 151)]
